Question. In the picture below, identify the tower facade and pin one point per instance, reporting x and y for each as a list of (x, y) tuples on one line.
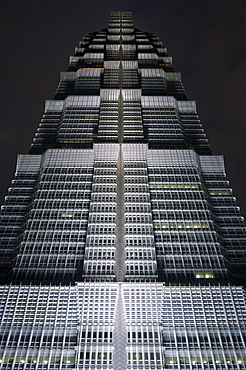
[(122, 246)]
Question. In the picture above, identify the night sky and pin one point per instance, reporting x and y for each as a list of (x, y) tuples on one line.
[(205, 38)]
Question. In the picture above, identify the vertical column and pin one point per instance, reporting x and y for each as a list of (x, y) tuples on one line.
[(140, 249), (99, 252), (109, 116), (132, 115), (120, 254), (120, 333)]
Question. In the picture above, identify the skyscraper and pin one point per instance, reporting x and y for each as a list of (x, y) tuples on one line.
[(122, 246)]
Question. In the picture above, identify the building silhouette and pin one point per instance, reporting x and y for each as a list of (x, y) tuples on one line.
[(122, 246)]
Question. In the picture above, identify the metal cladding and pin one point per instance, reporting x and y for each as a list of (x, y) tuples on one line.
[(122, 246)]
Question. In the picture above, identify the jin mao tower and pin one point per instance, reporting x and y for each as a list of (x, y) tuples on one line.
[(122, 246)]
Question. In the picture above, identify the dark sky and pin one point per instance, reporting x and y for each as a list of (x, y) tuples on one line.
[(205, 38)]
